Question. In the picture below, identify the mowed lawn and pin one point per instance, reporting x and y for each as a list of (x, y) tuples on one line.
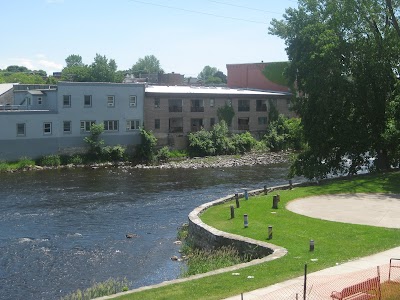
[(334, 242)]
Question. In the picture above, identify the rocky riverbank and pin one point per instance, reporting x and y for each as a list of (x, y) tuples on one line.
[(226, 161)]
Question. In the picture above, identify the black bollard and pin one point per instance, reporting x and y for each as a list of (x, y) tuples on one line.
[(265, 190), (270, 232), (237, 200), (275, 200), (246, 221), (232, 212), (311, 245)]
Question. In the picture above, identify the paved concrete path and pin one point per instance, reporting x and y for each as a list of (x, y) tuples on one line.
[(381, 210)]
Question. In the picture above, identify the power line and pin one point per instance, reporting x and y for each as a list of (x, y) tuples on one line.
[(246, 7), (199, 12)]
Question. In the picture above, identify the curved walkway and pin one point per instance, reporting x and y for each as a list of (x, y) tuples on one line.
[(382, 210)]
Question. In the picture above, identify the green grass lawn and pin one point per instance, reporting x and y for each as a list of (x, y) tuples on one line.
[(334, 242)]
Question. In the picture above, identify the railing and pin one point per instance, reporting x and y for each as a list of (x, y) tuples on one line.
[(10, 107), (197, 108), (244, 108), (243, 127), (175, 129), (175, 109)]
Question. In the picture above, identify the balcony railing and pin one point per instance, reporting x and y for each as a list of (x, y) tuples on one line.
[(197, 109), (175, 109), (175, 129), (261, 108), (11, 107), (244, 108), (243, 127)]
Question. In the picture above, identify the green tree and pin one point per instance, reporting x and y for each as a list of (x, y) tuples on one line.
[(74, 60), (102, 69), (226, 113), (344, 60), (94, 142), (147, 65), (146, 152), (24, 78), (16, 69)]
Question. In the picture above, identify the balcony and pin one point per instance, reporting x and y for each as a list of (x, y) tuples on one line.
[(197, 109), (261, 107), (175, 109), (244, 127), (244, 108), (175, 129)]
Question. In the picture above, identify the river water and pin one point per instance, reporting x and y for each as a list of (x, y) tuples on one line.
[(63, 230)]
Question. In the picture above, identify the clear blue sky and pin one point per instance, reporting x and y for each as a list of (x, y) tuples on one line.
[(184, 35)]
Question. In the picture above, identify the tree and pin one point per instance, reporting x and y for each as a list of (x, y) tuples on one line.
[(16, 69), (147, 65), (74, 60), (211, 75), (344, 60), (226, 113)]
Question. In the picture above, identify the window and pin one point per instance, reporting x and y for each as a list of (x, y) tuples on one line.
[(244, 105), (111, 125), (21, 129), (261, 105), (67, 126), (156, 102), (212, 122), (212, 102), (157, 124), (196, 125), (132, 125), (67, 101), (47, 128), (39, 100), (262, 120), (85, 125), (110, 101), (243, 123), (175, 105), (132, 101), (87, 101), (176, 125), (196, 105)]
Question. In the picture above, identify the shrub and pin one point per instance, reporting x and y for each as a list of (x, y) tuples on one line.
[(50, 160), (76, 160), (109, 287), (201, 143), (243, 142), (178, 154), (163, 154), (145, 152), (94, 142), (24, 162), (113, 153), (284, 133)]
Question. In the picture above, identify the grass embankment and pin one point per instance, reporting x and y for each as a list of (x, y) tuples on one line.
[(334, 242)]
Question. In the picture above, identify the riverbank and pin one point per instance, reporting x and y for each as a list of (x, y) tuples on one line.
[(223, 161)]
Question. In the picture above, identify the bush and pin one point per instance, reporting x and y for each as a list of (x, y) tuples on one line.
[(113, 153), (178, 154), (163, 154), (95, 144), (145, 152), (243, 142), (50, 160), (201, 143), (284, 134), (24, 162), (76, 160), (106, 288)]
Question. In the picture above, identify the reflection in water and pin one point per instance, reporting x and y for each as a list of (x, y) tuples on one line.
[(65, 229)]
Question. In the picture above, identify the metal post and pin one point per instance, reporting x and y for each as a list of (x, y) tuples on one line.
[(246, 220), (265, 190), (237, 200), (305, 283), (312, 245), (232, 212), (270, 232), (246, 194)]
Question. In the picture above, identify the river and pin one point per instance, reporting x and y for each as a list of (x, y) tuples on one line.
[(63, 230)]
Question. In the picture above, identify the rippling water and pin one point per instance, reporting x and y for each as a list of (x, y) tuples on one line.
[(61, 230)]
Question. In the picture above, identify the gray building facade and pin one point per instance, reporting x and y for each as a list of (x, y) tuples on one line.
[(55, 120)]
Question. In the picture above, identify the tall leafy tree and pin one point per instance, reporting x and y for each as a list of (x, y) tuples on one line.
[(74, 60), (147, 65), (344, 60), (102, 69)]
